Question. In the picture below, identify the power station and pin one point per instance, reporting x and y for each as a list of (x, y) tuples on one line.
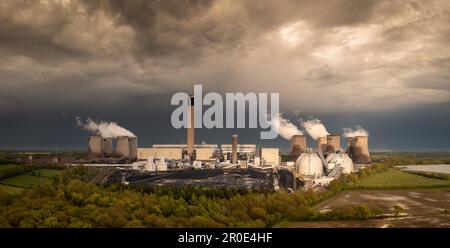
[(310, 166)]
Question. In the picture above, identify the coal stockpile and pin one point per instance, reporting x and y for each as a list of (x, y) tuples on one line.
[(248, 179), (288, 180)]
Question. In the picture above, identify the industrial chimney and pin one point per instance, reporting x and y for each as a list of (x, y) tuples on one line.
[(298, 146), (190, 131), (322, 144), (333, 143), (360, 150), (234, 141), (108, 146), (123, 146), (96, 145)]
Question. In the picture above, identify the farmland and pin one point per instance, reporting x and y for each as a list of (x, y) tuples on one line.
[(393, 178), (16, 184)]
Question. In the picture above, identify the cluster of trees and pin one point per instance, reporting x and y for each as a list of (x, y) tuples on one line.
[(394, 159), (71, 201), (347, 181), (358, 212), (15, 169), (80, 204), (11, 170)]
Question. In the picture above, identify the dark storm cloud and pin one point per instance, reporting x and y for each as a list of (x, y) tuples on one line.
[(192, 28), (25, 40), (108, 58)]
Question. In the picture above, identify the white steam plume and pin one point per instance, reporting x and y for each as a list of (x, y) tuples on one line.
[(285, 128), (315, 128), (104, 129), (353, 132)]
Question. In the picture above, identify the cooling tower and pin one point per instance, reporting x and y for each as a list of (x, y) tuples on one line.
[(108, 146), (350, 141), (95, 145), (123, 146), (190, 131), (234, 149), (298, 146), (133, 142), (360, 150), (322, 144), (333, 143)]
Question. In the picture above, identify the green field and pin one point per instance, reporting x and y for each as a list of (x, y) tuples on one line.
[(10, 189), (393, 178), (26, 181), (47, 173)]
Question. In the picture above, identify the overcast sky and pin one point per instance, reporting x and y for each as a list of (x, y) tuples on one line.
[(384, 65)]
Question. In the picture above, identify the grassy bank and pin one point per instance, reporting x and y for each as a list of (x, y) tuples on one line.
[(396, 179)]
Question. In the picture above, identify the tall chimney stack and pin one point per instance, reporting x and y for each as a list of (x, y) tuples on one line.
[(333, 143), (190, 131), (96, 145), (360, 150), (322, 144), (234, 143), (298, 145)]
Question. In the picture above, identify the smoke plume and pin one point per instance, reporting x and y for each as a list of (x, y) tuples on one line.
[(357, 131), (285, 128), (104, 129), (315, 128)]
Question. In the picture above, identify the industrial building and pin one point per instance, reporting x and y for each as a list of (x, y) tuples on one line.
[(312, 165), (122, 147), (270, 156), (203, 152)]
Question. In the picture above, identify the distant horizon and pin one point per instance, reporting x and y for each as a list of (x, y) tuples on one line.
[(282, 149)]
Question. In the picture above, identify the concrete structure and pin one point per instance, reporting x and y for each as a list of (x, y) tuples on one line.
[(257, 161), (96, 145), (241, 148), (184, 146), (342, 160), (360, 150), (150, 165), (350, 141), (123, 146), (309, 164), (155, 152), (161, 165), (333, 143), (108, 146), (204, 153), (244, 151), (234, 144), (270, 156), (322, 144), (191, 130), (298, 146), (171, 151), (133, 148)]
